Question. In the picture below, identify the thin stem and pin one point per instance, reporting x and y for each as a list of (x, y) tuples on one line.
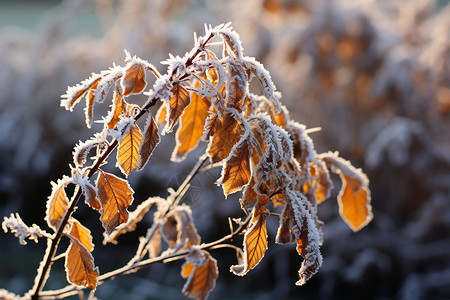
[(177, 196), (51, 249), (185, 185), (128, 269), (53, 245)]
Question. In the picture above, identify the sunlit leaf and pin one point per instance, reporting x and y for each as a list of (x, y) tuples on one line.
[(57, 203), (119, 108), (133, 80), (90, 196), (128, 151), (354, 203), (323, 183), (236, 172), (190, 130), (354, 196), (255, 245), (186, 269), (249, 195), (74, 94), (202, 273), (89, 109), (149, 142), (133, 219), (79, 266), (177, 104), (211, 124), (236, 84), (226, 136), (82, 234), (115, 195), (161, 114)]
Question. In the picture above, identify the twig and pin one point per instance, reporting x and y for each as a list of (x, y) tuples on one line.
[(220, 243), (53, 245), (177, 196)]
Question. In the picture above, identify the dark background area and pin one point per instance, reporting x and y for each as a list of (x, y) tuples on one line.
[(374, 75)]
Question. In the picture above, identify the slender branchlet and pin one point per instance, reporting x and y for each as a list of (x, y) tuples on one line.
[(207, 98)]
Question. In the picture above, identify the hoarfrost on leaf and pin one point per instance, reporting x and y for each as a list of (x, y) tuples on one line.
[(15, 224)]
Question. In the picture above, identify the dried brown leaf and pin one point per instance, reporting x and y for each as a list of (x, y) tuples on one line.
[(354, 196), (90, 196), (190, 130), (236, 172), (119, 107), (79, 266), (177, 104), (82, 234), (115, 195), (89, 109), (227, 135), (236, 84), (75, 93), (133, 219), (178, 228), (128, 151), (57, 203), (255, 245), (154, 245), (202, 273), (299, 224), (133, 80), (149, 142)]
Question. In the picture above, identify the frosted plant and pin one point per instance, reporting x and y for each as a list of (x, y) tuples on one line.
[(262, 152)]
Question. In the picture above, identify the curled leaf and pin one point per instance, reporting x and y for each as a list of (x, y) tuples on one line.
[(74, 94), (236, 85), (90, 196), (299, 224), (119, 108), (201, 272), (354, 196), (89, 109), (178, 228), (133, 80)]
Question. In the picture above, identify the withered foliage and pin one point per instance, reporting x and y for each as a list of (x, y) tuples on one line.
[(261, 151)]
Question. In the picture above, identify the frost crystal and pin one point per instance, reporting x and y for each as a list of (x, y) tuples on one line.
[(15, 224), (108, 80)]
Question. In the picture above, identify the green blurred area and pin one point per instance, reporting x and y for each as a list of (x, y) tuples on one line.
[(30, 15), (24, 14)]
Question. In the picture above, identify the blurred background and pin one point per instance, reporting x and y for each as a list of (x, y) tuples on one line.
[(374, 75)]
